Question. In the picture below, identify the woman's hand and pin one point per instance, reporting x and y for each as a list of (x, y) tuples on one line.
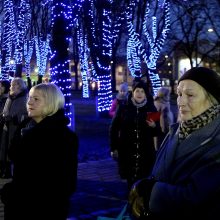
[(136, 202), (139, 197), (151, 123), (114, 155)]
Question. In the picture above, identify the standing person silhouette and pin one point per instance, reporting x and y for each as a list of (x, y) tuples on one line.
[(132, 135), (14, 113), (162, 103), (4, 92), (185, 180), (44, 152), (121, 98)]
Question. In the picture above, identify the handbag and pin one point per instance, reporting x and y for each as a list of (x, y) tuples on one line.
[(123, 215)]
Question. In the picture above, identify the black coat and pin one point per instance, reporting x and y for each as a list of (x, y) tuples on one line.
[(45, 170), (131, 136)]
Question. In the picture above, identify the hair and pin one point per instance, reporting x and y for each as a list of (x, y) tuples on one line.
[(54, 98), (6, 85), (123, 86), (211, 98), (163, 93), (20, 82), (141, 85)]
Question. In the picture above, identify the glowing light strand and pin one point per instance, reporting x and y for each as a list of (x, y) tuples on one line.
[(156, 42), (23, 22), (42, 52), (83, 57), (60, 73), (28, 51), (8, 37), (135, 50), (104, 76), (102, 52)]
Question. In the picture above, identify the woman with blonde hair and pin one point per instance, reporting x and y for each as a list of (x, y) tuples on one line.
[(44, 154)]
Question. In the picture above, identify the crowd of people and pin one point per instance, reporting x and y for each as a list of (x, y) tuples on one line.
[(171, 166)]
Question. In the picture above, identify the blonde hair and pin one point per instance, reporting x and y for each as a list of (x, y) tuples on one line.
[(212, 99), (53, 96)]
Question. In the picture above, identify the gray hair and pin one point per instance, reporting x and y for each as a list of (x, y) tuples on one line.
[(20, 82), (212, 99)]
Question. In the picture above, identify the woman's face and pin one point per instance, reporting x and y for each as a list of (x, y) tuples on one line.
[(14, 88), (139, 95), (122, 92), (192, 100), (35, 105)]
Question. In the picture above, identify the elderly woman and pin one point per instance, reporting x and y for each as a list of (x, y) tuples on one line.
[(13, 114), (44, 153), (185, 180)]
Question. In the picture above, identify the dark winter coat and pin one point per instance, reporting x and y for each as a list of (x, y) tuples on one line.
[(119, 100), (14, 113), (187, 175), (131, 136), (3, 99), (45, 170)]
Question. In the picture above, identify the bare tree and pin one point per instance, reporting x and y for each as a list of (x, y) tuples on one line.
[(190, 34), (152, 25)]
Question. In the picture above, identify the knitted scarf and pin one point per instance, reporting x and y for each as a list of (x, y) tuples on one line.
[(187, 127), (139, 105)]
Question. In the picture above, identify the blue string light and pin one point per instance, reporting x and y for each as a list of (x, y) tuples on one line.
[(100, 45), (155, 40), (43, 50), (28, 51), (8, 37), (135, 49), (60, 73)]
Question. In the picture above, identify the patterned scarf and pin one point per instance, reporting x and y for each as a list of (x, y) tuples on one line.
[(187, 127), (139, 105)]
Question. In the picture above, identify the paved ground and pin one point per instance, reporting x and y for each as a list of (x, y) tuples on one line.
[(100, 191)]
